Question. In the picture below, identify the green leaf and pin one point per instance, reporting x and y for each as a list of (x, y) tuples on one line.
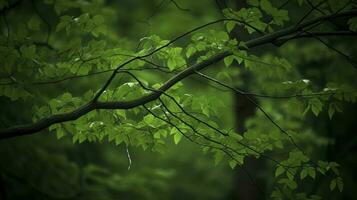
[(221, 36), (334, 166), (232, 163), (205, 110), (174, 131), (236, 136), (152, 121), (290, 174), (224, 76), (157, 135), (339, 184), (311, 171), (190, 51), (177, 138), (288, 183), (60, 133), (279, 16), (298, 157), (239, 56), (323, 166), (303, 173), (175, 60), (336, 181), (180, 61), (331, 111), (316, 106), (265, 5), (228, 60), (276, 194), (81, 138), (111, 135), (353, 24), (118, 139), (64, 23), (230, 26), (251, 15), (171, 64), (66, 97), (333, 184), (279, 170)]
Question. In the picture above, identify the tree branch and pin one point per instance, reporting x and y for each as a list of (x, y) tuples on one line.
[(35, 127), (283, 40)]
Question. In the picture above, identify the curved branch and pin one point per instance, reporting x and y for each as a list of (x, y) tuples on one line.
[(93, 105), (179, 7), (111, 78), (256, 105), (348, 58), (283, 40)]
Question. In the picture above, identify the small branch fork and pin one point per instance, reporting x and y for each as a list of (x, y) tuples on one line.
[(215, 144)]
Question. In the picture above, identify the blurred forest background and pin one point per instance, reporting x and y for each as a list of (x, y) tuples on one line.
[(40, 166)]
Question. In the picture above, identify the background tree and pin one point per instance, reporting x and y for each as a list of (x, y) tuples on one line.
[(260, 82)]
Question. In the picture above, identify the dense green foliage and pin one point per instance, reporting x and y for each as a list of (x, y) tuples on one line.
[(158, 83)]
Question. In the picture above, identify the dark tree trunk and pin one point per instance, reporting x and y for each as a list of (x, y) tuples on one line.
[(245, 185)]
